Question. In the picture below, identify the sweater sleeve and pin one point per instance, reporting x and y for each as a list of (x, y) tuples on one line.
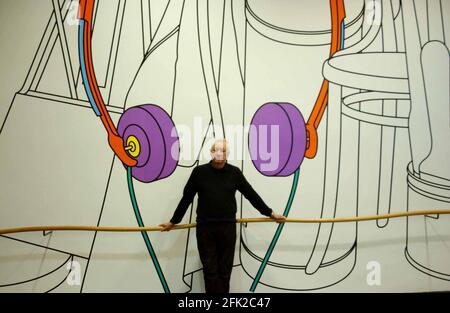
[(188, 196), (250, 194)]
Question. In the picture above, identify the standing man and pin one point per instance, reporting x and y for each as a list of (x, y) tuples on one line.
[(216, 183)]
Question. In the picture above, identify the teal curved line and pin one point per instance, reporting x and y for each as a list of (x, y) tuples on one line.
[(277, 233), (148, 244)]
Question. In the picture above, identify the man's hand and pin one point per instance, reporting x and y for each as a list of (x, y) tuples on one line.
[(167, 226), (278, 217)]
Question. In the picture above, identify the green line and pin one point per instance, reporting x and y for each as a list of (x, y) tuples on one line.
[(144, 233), (277, 233)]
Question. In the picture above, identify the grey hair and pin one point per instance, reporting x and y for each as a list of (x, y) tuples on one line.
[(213, 146)]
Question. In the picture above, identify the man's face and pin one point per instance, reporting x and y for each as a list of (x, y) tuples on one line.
[(219, 154)]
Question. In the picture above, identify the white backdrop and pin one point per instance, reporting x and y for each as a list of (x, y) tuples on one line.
[(56, 167)]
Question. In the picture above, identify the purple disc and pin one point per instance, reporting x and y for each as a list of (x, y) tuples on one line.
[(277, 139), (158, 140)]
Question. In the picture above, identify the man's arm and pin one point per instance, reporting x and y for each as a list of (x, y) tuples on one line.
[(251, 195), (188, 196)]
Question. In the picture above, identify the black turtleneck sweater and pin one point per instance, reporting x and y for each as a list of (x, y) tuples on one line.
[(216, 190)]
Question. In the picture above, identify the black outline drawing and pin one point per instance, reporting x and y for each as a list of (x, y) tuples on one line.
[(386, 89)]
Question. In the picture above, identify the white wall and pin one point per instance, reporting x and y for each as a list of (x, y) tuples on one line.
[(56, 167)]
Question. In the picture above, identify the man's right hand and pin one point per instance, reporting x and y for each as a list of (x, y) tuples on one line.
[(278, 217), (167, 226)]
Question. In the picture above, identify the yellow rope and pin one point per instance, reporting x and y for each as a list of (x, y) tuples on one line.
[(12, 230)]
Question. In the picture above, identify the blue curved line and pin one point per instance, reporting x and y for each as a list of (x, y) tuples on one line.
[(342, 34), (277, 233), (148, 244), (83, 67)]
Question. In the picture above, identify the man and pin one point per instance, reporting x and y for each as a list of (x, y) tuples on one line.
[(216, 183)]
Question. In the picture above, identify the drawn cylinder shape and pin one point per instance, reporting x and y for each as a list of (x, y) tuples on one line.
[(425, 248), (158, 141), (277, 139)]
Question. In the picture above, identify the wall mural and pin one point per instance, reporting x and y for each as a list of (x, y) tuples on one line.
[(334, 109)]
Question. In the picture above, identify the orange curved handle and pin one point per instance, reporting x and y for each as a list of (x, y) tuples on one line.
[(86, 8), (337, 9)]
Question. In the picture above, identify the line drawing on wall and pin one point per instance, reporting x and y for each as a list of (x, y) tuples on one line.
[(359, 91)]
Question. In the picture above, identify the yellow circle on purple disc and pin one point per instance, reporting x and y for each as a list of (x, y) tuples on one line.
[(136, 147), (158, 141)]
